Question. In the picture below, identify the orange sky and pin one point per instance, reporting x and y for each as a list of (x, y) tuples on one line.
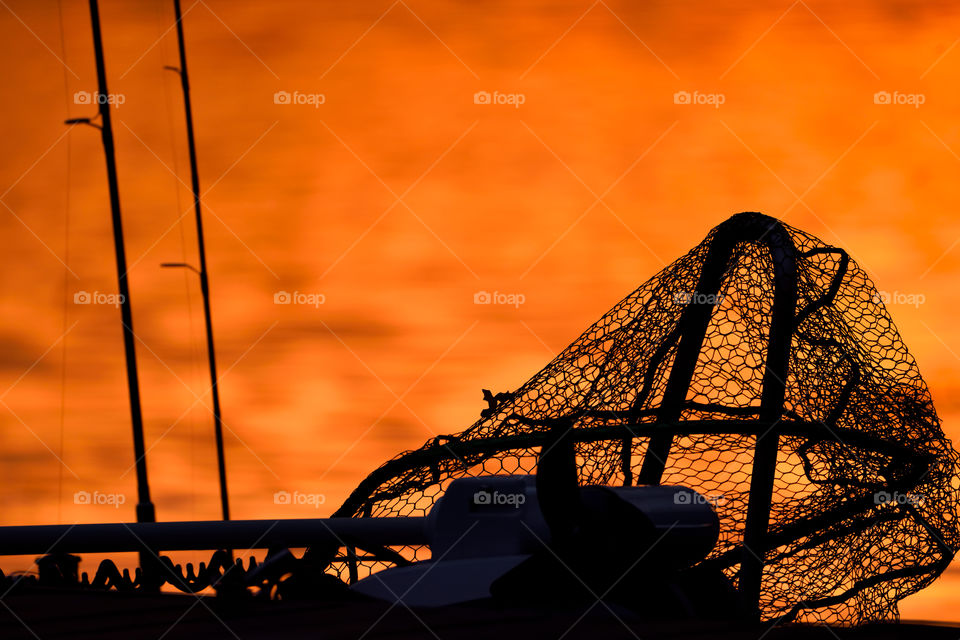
[(399, 198)]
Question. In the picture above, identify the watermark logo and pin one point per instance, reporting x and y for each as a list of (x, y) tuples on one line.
[(299, 499), (85, 297), (312, 99), (312, 299), (485, 297), (495, 498), (913, 99), (712, 99), (913, 499), (898, 297), (98, 499), (85, 97), (690, 497), (686, 297), (485, 97)]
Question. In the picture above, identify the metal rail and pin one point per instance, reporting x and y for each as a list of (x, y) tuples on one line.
[(204, 535)]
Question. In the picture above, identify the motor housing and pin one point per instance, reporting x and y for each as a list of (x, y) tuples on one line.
[(488, 534)]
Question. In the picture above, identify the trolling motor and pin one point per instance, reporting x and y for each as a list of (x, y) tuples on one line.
[(543, 539), (489, 537)]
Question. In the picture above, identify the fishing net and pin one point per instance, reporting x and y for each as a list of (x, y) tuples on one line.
[(762, 370)]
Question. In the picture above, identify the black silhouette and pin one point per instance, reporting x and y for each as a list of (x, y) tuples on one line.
[(493, 401), (762, 370)]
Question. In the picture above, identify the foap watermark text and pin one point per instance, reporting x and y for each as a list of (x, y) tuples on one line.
[(99, 499), (299, 499), (899, 297), (85, 297), (711, 99), (690, 497), (896, 98), (486, 297), (298, 297), (513, 99), (85, 97), (886, 497), (495, 498), (695, 297), (298, 98)]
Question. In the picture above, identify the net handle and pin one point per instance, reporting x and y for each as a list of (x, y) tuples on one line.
[(693, 325)]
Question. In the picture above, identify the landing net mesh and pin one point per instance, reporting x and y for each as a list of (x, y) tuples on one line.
[(864, 489)]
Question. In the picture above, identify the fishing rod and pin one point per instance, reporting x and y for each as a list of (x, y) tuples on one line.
[(144, 509), (202, 272)]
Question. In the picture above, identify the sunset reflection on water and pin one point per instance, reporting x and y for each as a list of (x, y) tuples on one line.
[(400, 198)]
